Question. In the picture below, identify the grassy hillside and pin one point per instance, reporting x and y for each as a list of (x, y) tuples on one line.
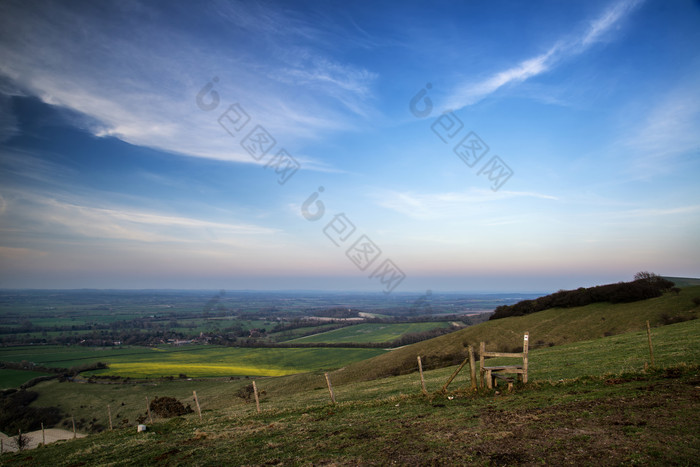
[(561, 417), (555, 326), (370, 332), (683, 281)]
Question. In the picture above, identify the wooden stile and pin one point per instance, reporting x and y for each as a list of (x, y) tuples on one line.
[(490, 373)]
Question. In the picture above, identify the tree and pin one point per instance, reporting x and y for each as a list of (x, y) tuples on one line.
[(646, 276), (21, 441)]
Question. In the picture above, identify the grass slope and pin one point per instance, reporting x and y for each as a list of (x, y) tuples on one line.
[(555, 326), (633, 418), (370, 332)]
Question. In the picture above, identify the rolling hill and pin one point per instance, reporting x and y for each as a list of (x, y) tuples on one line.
[(551, 327)]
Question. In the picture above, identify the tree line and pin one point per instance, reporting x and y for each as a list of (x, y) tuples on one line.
[(645, 285)]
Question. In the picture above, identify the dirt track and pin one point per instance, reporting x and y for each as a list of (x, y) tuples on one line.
[(52, 434)]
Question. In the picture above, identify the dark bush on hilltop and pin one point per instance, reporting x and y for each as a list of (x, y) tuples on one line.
[(167, 407), (15, 413), (646, 285)]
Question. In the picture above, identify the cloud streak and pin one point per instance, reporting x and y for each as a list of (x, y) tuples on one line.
[(431, 206), (470, 93), (138, 80)]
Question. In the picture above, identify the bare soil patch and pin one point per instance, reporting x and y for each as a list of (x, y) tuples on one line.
[(35, 438)]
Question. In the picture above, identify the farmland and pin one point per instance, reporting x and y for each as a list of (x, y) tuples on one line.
[(571, 410), (13, 378), (112, 318), (193, 360)]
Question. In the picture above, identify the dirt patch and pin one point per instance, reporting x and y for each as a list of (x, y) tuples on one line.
[(35, 438)]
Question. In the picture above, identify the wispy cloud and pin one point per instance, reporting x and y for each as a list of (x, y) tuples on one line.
[(138, 80), (666, 131), (470, 93), (34, 215), (425, 206)]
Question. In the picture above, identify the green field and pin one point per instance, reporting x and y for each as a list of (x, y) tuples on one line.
[(194, 361), (13, 378), (370, 332), (583, 398)]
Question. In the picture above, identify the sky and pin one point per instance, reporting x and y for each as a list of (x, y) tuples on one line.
[(372, 146)]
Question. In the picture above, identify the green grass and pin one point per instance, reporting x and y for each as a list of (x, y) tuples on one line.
[(564, 416), (213, 361), (370, 332), (59, 356), (195, 360), (549, 327), (14, 378)]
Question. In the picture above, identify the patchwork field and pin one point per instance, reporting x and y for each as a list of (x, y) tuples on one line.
[(14, 378)]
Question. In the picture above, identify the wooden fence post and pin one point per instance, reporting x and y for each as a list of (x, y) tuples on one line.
[(109, 414), (73, 420), (526, 353), (2, 447), (43, 435), (148, 409), (651, 349), (196, 401), (257, 398), (422, 380), (330, 387), (472, 367), (444, 388), (482, 349)]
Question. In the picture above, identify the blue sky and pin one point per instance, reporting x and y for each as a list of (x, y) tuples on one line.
[(577, 125)]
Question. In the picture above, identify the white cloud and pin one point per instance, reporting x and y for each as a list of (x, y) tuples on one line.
[(470, 93), (666, 131), (138, 78), (31, 214)]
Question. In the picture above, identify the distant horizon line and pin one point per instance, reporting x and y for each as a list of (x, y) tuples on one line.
[(216, 290)]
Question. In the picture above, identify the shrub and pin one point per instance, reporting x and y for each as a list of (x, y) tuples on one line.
[(167, 407), (246, 392), (646, 285)]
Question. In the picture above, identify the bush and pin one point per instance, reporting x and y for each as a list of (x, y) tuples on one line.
[(167, 407), (648, 285), (246, 393)]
